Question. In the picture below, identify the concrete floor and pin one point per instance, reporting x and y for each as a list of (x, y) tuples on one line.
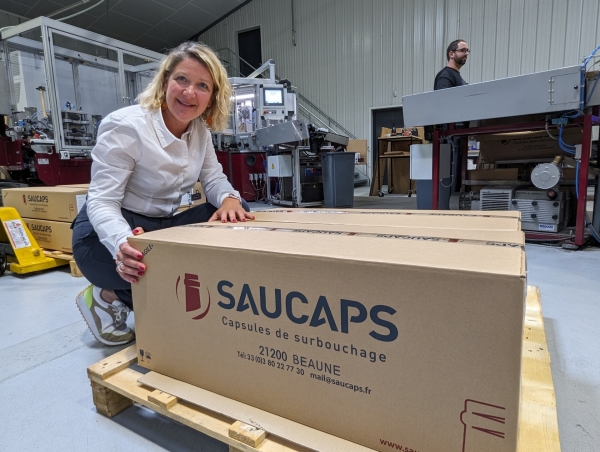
[(45, 348)]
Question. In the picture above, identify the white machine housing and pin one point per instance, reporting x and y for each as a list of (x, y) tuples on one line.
[(421, 161), (541, 210)]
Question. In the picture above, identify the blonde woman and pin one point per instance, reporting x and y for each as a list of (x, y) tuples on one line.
[(146, 158)]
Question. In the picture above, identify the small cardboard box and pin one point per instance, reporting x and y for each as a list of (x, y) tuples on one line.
[(358, 147), (46, 203), (381, 338), (51, 235)]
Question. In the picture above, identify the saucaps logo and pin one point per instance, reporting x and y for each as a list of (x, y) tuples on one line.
[(336, 314), (193, 300), (35, 198), (40, 228)]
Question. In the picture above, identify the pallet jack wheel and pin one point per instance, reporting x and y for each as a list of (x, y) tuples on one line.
[(380, 193), (3, 263)]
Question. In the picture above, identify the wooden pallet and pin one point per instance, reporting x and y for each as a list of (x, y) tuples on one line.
[(115, 387), (68, 258)]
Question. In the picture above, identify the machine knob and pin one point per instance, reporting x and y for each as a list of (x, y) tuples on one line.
[(552, 194), (533, 215), (555, 204), (555, 217), (534, 203), (514, 202)]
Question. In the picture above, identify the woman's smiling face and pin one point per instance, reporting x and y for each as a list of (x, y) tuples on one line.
[(188, 93)]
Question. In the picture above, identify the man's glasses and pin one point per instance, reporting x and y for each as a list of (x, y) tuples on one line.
[(463, 50)]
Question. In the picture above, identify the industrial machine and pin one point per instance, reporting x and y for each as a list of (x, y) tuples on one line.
[(257, 103), (551, 100), (245, 171), (541, 210), (295, 172), (544, 206), (57, 83)]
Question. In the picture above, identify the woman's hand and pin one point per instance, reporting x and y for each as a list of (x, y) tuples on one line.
[(129, 261), (231, 210)]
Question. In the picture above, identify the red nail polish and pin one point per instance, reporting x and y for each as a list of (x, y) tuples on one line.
[(142, 268), (224, 221), (141, 273), (140, 256)]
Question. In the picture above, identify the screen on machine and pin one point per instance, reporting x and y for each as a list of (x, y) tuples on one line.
[(273, 97)]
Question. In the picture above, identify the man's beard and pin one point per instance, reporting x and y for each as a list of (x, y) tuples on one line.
[(460, 61)]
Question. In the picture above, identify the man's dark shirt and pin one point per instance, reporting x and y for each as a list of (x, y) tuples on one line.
[(448, 78)]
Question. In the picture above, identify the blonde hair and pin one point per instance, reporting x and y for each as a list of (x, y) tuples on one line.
[(217, 115)]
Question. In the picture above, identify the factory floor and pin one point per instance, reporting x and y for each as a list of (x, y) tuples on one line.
[(45, 348)]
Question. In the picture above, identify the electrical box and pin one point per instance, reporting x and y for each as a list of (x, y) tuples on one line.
[(421, 161), (279, 166)]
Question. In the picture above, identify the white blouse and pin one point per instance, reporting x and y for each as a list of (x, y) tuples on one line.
[(139, 165)]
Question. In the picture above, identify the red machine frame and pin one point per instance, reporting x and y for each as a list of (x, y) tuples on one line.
[(586, 121)]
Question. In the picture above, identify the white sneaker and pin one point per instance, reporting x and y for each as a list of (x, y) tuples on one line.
[(105, 320)]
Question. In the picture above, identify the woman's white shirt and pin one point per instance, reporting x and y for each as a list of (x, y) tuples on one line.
[(139, 165)]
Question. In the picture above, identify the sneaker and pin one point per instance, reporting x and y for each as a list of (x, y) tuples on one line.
[(105, 320)]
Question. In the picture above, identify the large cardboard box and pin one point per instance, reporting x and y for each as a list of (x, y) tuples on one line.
[(422, 219), (523, 145), (46, 203), (496, 174), (87, 186), (376, 337), (51, 235)]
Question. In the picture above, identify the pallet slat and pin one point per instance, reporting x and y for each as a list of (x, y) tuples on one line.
[(115, 387), (64, 259), (538, 422)]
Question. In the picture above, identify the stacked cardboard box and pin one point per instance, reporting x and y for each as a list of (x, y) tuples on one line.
[(48, 212), (391, 329)]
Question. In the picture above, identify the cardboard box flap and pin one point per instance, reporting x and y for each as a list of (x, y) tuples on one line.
[(403, 212), (466, 235), (314, 242), (432, 219)]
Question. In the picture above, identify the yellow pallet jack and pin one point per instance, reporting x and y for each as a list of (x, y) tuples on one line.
[(19, 251)]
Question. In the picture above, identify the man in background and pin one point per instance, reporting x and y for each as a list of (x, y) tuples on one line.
[(449, 77)]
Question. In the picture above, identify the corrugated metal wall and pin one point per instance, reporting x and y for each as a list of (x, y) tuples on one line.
[(352, 55)]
